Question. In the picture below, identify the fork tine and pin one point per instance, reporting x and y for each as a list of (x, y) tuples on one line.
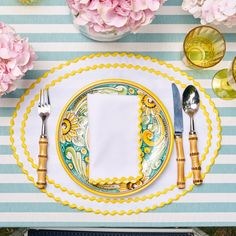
[(43, 100), (45, 97), (48, 99), (40, 98)]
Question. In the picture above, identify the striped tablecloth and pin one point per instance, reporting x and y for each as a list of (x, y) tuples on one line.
[(48, 25)]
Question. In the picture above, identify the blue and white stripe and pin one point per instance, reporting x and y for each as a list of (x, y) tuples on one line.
[(48, 25)]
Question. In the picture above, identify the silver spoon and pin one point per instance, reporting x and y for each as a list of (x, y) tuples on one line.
[(190, 103)]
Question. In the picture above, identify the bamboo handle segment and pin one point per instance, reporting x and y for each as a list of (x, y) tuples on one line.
[(194, 154), (42, 164), (180, 162)]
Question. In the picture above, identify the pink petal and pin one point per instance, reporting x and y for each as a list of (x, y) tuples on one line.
[(81, 20), (4, 86), (16, 72), (4, 53), (136, 15), (112, 18), (153, 5), (139, 5), (23, 59), (11, 63)]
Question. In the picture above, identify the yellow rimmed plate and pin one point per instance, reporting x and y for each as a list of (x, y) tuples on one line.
[(73, 142)]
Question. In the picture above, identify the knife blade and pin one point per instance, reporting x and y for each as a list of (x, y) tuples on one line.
[(178, 113), (178, 126)]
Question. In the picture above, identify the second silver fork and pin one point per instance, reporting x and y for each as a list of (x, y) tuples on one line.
[(44, 108)]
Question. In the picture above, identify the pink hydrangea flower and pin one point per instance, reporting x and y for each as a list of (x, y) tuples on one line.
[(114, 15), (212, 11), (16, 58)]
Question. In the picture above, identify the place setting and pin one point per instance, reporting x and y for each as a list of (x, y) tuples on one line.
[(115, 133), (117, 116), (119, 133)]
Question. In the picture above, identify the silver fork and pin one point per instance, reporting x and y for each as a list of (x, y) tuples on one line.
[(43, 111)]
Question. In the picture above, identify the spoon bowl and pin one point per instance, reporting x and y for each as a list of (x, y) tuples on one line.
[(191, 100)]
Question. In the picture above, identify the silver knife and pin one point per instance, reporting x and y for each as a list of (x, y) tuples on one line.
[(178, 126)]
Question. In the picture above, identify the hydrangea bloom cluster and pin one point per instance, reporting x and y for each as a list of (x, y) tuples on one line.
[(16, 57), (114, 15), (212, 11)]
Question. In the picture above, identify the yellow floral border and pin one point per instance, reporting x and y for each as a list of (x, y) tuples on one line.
[(99, 82), (61, 66)]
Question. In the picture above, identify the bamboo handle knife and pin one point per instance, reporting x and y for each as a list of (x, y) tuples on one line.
[(180, 162)]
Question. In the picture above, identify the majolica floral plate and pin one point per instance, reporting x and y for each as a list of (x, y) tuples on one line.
[(73, 140)]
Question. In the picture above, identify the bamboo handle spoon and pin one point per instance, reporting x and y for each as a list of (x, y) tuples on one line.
[(191, 101)]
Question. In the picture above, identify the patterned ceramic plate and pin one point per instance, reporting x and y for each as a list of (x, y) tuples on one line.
[(73, 140)]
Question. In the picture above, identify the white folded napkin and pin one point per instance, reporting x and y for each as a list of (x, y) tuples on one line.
[(114, 138)]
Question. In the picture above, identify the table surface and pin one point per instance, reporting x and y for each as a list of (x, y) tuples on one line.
[(48, 25)]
